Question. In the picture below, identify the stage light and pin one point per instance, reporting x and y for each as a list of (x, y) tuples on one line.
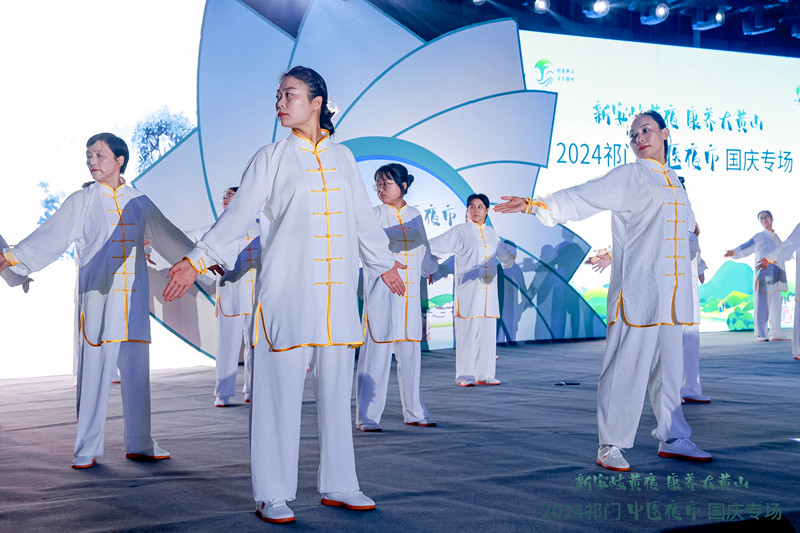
[(541, 6), (655, 15), (759, 23), (707, 20), (596, 9), (478, 2)]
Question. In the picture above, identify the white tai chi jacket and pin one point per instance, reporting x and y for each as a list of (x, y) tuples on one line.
[(477, 249), (784, 251), (108, 228), (388, 317), (651, 276), (315, 221), (762, 245)]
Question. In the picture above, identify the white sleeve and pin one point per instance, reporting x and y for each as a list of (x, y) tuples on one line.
[(169, 241), (612, 192), (12, 278), (505, 253), (449, 242), (429, 263), (221, 244), (745, 249), (51, 239), (785, 251), (373, 244)]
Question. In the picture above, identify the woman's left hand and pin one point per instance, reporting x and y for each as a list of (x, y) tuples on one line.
[(393, 280)]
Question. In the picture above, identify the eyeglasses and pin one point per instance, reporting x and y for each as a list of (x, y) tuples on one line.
[(228, 195), (382, 185)]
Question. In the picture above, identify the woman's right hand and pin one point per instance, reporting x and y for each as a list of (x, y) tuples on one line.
[(181, 276), (730, 253), (513, 204)]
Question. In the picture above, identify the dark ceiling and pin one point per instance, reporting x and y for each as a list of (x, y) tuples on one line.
[(431, 18)]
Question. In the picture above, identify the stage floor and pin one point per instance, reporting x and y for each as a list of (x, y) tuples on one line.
[(517, 457)]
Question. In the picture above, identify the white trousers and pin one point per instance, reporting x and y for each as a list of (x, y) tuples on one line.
[(96, 368), (767, 303), (233, 334), (639, 359), (372, 380), (691, 362), (476, 348), (278, 381)]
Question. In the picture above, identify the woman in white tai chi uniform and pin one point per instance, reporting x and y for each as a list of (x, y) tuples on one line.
[(393, 324), (767, 283), (315, 222), (107, 221), (784, 252), (236, 300), (477, 249), (650, 293)]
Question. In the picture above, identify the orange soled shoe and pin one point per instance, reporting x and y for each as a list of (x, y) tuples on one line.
[(274, 512), (350, 500), (155, 453)]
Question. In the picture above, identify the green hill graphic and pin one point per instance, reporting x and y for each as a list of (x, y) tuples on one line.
[(731, 277)]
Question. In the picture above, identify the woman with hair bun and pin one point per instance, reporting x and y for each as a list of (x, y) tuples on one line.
[(393, 324), (315, 223), (650, 293)]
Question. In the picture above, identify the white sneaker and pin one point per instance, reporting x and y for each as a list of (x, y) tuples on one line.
[(350, 500), (488, 381), (155, 453), (466, 382), (221, 402), (247, 397), (682, 449), (274, 512), (697, 398), (610, 457)]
